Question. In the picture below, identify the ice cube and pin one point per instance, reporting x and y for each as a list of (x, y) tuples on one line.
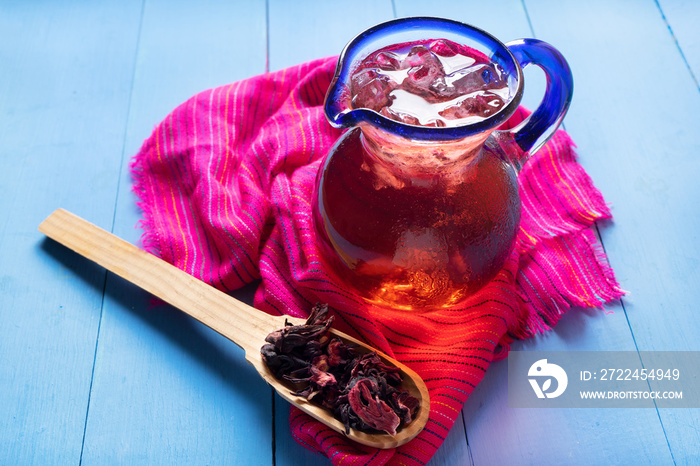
[(400, 116), (475, 78), (387, 61), (418, 55), (479, 104), (361, 77), (488, 103), (423, 76), (444, 48), (456, 112), (426, 77), (371, 90)]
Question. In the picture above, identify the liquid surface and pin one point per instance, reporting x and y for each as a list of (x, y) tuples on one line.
[(429, 83)]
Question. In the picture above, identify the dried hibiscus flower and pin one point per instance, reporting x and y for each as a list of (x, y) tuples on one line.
[(358, 388)]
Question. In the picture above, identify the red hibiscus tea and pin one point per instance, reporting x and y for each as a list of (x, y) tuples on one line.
[(415, 225)]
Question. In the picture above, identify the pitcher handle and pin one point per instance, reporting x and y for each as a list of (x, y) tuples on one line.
[(534, 131)]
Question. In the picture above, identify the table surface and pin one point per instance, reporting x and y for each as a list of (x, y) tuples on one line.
[(92, 373)]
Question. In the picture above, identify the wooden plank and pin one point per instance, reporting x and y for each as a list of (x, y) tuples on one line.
[(643, 159), (563, 436), (168, 390), (299, 32), (551, 436), (308, 29), (456, 449), (64, 85), (486, 409), (682, 18), (239, 322)]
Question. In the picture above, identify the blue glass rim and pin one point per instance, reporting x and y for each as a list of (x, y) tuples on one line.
[(341, 115)]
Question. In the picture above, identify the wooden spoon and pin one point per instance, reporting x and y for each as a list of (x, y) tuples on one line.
[(237, 321)]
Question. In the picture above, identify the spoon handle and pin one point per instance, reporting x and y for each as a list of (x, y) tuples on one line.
[(237, 321)]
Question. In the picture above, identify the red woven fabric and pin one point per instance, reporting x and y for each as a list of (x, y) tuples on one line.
[(225, 184)]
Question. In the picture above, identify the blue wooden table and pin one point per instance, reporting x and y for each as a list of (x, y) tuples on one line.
[(91, 373)]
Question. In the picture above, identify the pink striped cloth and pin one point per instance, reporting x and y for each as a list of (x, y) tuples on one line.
[(225, 184)]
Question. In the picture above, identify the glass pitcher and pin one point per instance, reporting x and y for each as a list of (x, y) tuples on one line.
[(420, 215)]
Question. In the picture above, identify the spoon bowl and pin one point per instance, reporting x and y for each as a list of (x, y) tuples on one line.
[(237, 321)]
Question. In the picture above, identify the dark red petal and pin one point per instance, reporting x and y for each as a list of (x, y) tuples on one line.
[(373, 411)]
